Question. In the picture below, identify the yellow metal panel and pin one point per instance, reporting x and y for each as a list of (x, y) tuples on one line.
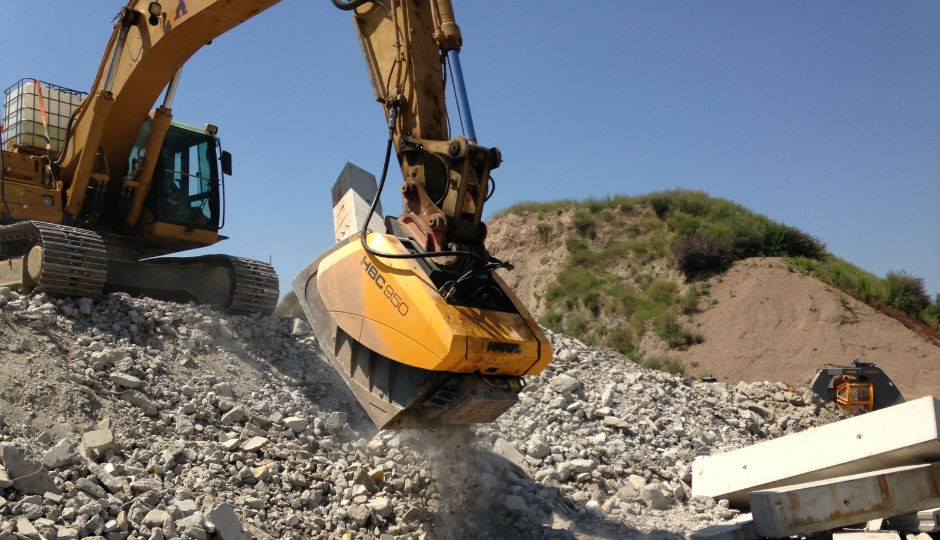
[(25, 201), (169, 231), (404, 317), (376, 336)]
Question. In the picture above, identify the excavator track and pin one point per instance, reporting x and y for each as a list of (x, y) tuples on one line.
[(68, 261), (74, 261), (231, 284), (256, 286)]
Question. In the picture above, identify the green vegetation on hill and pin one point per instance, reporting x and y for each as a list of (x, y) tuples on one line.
[(615, 283)]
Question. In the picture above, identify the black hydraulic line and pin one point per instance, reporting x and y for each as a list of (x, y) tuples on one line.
[(349, 5), (393, 117)]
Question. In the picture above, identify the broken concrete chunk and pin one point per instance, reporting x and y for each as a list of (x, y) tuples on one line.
[(254, 444), (360, 514), (381, 506), (564, 384), (187, 507), (89, 486), (60, 455), (226, 523), (234, 415), (295, 423), (155, 518), (5, 480), (126, 380), (26, 529), (147, 483), (140, 401), (334, 422), (364, 479), (28, 475), (95, 443), (193, 525)]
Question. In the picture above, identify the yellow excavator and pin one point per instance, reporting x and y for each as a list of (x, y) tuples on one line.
[(96, 188)]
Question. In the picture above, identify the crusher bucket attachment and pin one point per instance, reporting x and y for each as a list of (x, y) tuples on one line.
[(412, 358), (858, 388)]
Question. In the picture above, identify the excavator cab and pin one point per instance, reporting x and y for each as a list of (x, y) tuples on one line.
[(187, 188)]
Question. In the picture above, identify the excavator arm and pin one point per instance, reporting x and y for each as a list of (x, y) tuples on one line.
[(410, 47)]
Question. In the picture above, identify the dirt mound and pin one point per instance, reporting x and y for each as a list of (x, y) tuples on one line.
[(764, 321), (761, 321)]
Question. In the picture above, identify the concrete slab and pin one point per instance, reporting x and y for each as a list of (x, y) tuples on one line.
[(843, 501), (904, 434), (353, 192), (740, 530), (922, 521), (862, 535)]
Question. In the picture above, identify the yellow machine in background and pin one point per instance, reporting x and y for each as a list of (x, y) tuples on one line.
[(93, 187), (858, 388)]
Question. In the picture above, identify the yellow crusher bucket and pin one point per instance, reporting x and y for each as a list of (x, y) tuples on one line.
[(412, 357)]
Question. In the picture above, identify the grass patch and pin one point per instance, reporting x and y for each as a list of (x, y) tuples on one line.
[(609, 289)]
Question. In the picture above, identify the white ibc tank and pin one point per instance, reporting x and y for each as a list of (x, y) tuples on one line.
[(23, 118)]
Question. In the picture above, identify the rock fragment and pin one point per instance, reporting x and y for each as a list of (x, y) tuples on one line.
[(28, 475), (125, 380), (225, 523), (60, 455)]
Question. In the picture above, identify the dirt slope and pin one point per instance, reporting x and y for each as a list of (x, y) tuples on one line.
[(760, 322), (769, 323)]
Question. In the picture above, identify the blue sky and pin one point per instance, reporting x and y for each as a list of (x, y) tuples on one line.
[(820, 115)]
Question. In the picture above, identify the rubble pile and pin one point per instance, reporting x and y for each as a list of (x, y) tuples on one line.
[(125, 418)]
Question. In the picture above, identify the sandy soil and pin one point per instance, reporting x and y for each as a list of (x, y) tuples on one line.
[(765, 322)]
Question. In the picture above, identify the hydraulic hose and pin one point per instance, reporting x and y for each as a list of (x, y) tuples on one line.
[(349, 5), (392, 118)]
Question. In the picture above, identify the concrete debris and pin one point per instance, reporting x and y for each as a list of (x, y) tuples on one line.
[(96, 443), (843, 501), (125, 380), (225, 523), (895, 436), (240, 428), (60, 455), (28, 475)]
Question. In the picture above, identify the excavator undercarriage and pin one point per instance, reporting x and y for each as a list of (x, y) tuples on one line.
[(70, 261)]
